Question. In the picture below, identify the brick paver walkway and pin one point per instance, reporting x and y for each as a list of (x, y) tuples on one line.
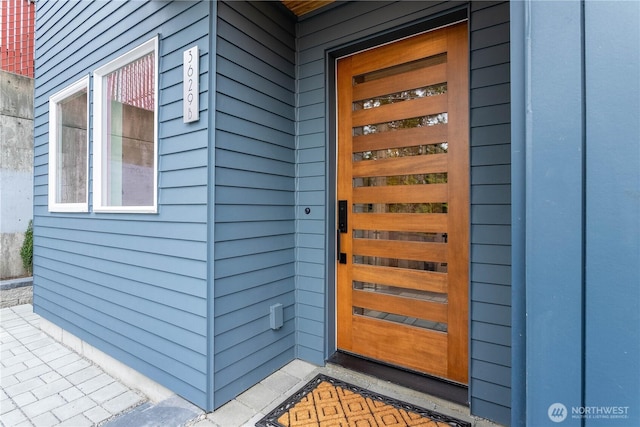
[(43, 383)]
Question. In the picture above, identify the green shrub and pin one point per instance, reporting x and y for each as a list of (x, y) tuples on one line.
[(26, 252)]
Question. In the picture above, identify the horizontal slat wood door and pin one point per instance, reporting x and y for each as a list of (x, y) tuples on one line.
[(403, 170)]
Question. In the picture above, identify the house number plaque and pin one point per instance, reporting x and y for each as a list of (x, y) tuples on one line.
[(190, 74)]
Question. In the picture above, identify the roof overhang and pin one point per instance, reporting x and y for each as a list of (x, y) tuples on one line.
[(301, 7)]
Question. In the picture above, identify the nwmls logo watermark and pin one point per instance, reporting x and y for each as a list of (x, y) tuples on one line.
[(557, 412)]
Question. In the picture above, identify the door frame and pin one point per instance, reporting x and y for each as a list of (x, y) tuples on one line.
[(426, 24)]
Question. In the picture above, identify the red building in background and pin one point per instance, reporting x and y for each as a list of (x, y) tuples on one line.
[(17, 36)]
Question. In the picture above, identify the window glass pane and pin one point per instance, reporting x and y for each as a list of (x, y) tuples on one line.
[(398, 318), (401, 292), (395, 70), (413, 122), (373, 181), (405, 95), (394, 153), (130, 131), (406, 236), (71, 149), (440, 267), (400, 208)]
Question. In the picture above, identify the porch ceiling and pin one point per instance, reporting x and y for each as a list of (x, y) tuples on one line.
[(300, 7)]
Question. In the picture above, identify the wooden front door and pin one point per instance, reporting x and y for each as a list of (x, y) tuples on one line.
[(403, 212)]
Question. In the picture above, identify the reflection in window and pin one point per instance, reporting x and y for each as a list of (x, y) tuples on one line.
[(427, 178), (405, 95), (68, 149), (400, 207), (390, 153), (414, 122), (407, 236), (126, 143), (398, 318), (401, 292), (439, 267)]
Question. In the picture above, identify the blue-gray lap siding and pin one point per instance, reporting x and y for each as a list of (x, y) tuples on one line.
[(490, 182), (254, 251), (132, 285)]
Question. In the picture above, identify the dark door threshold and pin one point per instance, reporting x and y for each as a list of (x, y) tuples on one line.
[(423, 383)]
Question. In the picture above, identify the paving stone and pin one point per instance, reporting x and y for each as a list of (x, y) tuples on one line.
[(48, 350), (280, 381), (30, 337), (19, 350), (173, 411), (7, 405), (73, 367), (64, 360), (83, 375), (5, 336), (71, 394), (13, 417), (18, 328), (258, 397), (233, 413), (51, 388), (74, 408), (43, 405), (97, 414), (77, 421), (299, 368), (23, 309), (50, 377), (45, 420), (122, 402), (14, 369), (8, 381), (33, 362), (25, 423), (10, 361), (36, 371), (204, 423), (24, 399), (42, 342), (95, 383), (21, 387), (108, 392), (11, 344), (53, 354)]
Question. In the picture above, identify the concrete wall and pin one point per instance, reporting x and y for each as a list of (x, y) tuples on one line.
[(16, 169)]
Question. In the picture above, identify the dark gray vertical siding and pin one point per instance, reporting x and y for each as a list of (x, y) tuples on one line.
[(490, 384), (254, 194), (132, 285), (490, 179)]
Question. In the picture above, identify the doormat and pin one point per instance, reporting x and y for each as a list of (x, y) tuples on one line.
[(328, 402)]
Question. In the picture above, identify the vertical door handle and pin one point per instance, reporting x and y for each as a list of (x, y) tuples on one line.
[(342, 216), (342, 228)]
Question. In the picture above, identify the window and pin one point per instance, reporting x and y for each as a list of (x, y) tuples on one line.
[(125, 132), (69, 149)]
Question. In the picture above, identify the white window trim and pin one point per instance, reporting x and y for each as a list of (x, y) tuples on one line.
[(98, 134), (54, 206)]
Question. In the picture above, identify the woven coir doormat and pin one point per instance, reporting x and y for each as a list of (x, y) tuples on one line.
[(328, 402)]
